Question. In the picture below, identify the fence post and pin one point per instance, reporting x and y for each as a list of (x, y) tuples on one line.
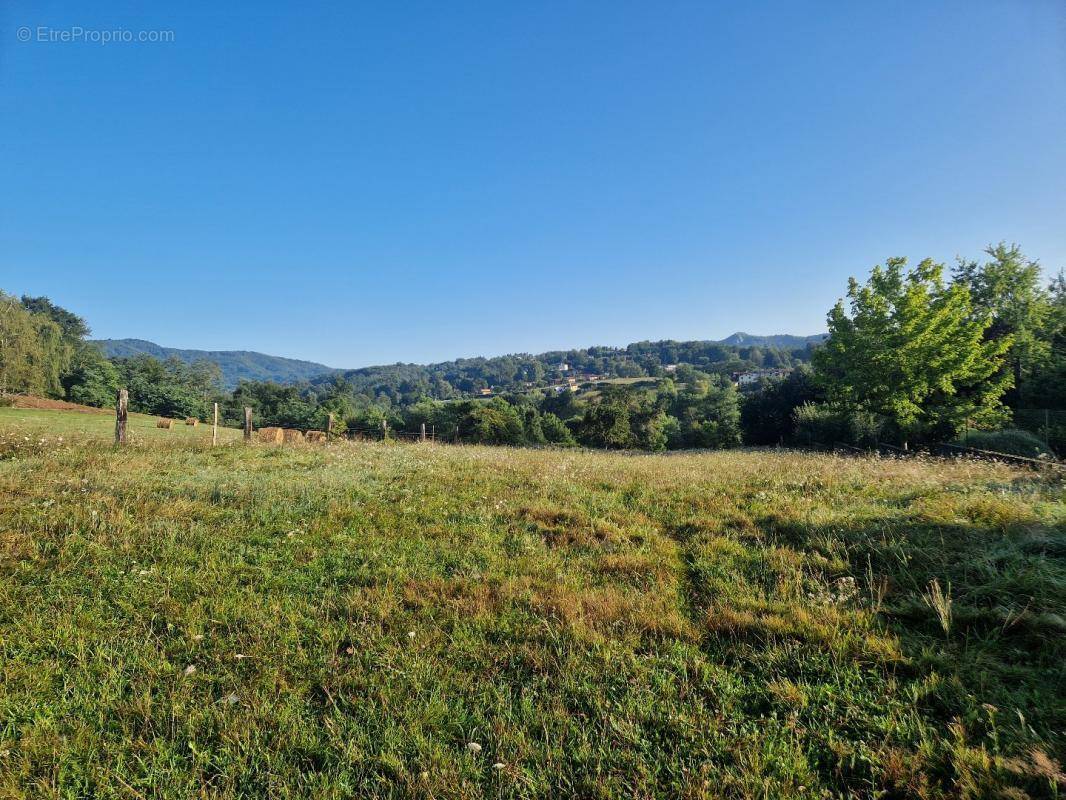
[(121, 413), (247, 424), (214, 428), (384, 429), (329, 427), (422, 435)]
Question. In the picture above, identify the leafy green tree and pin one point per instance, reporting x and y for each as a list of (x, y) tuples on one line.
[(606, 425), (73, 327), (1046, 386), (92, 380), (913, 351), (20, 348), (33, 351), (159, 387), (767, 416), (707, 410), (1007, 289), (555, 430)]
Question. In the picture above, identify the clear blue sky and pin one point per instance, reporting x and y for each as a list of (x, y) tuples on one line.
[(360, 183)]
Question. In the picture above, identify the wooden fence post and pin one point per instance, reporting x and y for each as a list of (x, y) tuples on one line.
[(214, 428), (329, 427), (121, 413), (422, 435), (247, 424)]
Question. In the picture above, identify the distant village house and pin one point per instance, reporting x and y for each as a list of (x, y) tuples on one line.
[(752, 377)]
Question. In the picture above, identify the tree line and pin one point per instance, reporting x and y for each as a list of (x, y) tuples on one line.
[(914, 355)]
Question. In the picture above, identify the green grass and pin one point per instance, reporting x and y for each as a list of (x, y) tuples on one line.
[(346, 621), (84, 424)]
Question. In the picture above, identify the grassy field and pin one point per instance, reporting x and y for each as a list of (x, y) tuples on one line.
[(460, 622), (139, 427)]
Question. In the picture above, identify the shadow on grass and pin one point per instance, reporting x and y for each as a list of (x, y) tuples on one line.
[(926, 646)]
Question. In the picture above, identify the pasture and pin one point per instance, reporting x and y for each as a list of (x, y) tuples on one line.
[(99, 424), (368, 619)]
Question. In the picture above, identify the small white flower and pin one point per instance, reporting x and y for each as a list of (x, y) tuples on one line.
[(473, 747), (198, 637), (190, 670), (499, 765), (410, 634)]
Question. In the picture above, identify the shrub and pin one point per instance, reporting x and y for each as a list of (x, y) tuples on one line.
[(826, 425), (1012, 441)]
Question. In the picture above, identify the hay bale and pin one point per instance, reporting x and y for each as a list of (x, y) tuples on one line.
[(316, 436), (293, 436), (164, 423), (271, 435), (192, 421)]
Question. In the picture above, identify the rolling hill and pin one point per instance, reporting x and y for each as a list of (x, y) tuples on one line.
[(785, 341), (235, 364)]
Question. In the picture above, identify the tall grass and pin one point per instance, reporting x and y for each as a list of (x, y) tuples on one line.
[(432, 621)]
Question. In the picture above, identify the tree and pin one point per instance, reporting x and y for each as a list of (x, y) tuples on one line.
[(158, 387), (74, 328), (1046, 386), (92, 380), (59, 335), (555, 431), (767, 415), (706, 411), (914, 352), (606, 425), (20, 348), (1007, 289)]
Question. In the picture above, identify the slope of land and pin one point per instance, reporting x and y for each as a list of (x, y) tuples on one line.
[(431, 621), (236, 365), (46, 420)]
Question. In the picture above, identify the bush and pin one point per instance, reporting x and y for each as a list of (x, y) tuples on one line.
[(826, 425), (1011, 441)]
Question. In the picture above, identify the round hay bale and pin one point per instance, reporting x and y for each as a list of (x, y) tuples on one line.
[(271, 435)]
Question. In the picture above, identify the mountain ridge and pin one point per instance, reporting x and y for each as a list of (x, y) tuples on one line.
[(237, 365)]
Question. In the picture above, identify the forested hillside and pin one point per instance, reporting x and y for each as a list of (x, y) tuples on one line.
[(916, 356), (236, 365)]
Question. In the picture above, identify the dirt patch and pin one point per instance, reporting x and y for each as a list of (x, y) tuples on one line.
[(29, 401)]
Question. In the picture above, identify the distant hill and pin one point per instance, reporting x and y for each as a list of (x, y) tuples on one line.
[(235, 364), (467, 375), (785, 341)]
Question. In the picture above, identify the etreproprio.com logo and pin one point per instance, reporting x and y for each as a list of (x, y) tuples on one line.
[(76, 34)]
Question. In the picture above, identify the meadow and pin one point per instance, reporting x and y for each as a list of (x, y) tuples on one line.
[(99, 423), (421, 620)]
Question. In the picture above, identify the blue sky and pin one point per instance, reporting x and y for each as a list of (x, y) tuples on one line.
[(364, 183)]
